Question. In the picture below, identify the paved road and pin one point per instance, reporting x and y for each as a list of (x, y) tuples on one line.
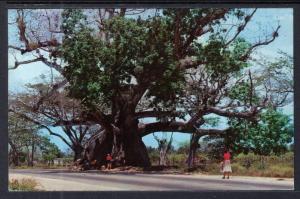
[(93, 180)]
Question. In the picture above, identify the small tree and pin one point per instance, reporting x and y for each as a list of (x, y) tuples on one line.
[(56, 110), (49, 150), (164, 147), (22, 135), (271, 134)]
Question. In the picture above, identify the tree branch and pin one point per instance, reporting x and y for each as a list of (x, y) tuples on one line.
[(144, 114), (226, 113), (198, 30), (241, 27), (25, 62)]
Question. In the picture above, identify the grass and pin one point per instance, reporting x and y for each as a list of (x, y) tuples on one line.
[(24, 184), (42, 166), (242, 165)]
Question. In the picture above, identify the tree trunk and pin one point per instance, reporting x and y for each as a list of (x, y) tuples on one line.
[(163, 157), (14, 158), (29, 161), (98, 147), (78, 152), (14, 155), (128, 142), (135, 151), (194, 145), (125, 144), (32, 153)]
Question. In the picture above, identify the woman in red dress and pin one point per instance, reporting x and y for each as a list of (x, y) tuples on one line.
[(226, 164)]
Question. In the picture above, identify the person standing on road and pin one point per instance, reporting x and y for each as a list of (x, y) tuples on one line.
[(226, 164), (109, 161)]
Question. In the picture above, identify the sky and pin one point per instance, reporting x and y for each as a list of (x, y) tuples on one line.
[(265, 20)]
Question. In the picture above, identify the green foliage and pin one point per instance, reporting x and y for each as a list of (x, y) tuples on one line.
[(131, 47), (49, 150), (222, 61), (214, 148), (271, 134), (136, 49), (212, 121), (183, 147), (25, 136), (242, 93)]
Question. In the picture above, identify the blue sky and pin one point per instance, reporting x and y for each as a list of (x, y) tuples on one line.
[(264, 21)]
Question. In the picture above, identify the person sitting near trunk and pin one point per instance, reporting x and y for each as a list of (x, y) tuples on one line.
[(109, 161)]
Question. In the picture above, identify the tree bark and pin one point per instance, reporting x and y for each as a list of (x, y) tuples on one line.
[(32, 154), (29, 161), (129, 143), (14, 158), (123, 141), (14, 154), (98, 147), (194, 145), (78, 152), (163, 157)]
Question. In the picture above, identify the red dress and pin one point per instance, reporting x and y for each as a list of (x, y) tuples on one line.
[(227, 156), (108, 158), (227, 165)]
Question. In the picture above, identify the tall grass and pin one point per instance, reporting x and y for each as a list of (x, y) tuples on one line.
[(281, 166), (25, 184)]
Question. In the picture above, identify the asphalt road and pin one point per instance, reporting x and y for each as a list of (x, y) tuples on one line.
[(95, 180)]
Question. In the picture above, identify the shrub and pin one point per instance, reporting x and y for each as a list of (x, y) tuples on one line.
[(177, 159), (25, 184), (279, 171), (238, 169), (246, 160)]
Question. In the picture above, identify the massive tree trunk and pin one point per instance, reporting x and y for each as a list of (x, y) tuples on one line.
[(123, 142), (97, 147), (128, 142)]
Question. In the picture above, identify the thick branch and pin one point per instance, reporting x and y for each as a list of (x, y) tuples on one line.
[(226, 113), (144, 114)]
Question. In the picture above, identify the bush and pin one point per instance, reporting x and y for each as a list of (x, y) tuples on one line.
[(238, 169), (246, 160), (25, 184), (279, 171), (177, 159), (213, 168)]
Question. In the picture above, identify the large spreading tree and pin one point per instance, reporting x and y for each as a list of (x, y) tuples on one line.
[(176, 65)]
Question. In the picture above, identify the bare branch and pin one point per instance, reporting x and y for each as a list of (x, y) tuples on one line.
[(241, 27), (226, 113), (17, 64)]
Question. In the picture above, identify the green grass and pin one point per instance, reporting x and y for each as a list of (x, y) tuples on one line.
[(25, 184)]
